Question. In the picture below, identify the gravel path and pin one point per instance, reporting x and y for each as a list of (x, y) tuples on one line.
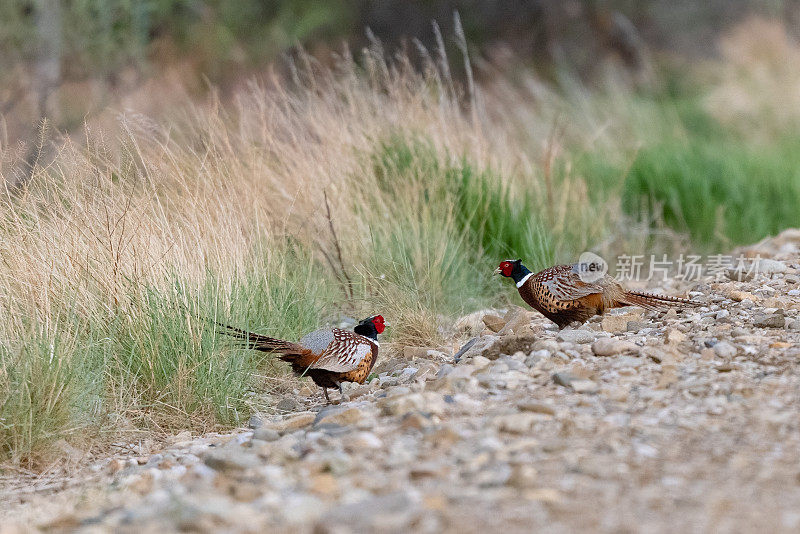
[(636, 422)]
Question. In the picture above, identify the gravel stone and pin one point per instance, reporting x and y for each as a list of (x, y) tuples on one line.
[(576, 336), (288, 404), (606, 346), (266, 434), (635, 326), (769, 320), (393, 512), (494, 323), (340, 415), (536, 407), (231, 459), (768, 266), (723, 349)]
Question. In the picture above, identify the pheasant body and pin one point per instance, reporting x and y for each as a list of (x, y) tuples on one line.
[(562, 296), (328, 356)]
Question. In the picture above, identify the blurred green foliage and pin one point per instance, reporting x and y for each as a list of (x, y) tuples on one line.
[(721, 193), (101, 36), (700, 177)]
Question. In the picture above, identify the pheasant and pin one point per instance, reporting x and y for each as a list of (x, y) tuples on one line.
[(562, 296), (329, 356)]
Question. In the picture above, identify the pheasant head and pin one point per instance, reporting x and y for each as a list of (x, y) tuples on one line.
[(513, 269), (371, 327)]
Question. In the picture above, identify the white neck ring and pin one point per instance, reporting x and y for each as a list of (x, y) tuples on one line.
[(524, 279)]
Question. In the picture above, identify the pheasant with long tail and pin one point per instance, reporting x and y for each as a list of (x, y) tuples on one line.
[(560, 294), (329, 356)]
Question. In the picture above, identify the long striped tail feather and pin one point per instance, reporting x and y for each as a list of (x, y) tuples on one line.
[(251, 340), (651, 301)]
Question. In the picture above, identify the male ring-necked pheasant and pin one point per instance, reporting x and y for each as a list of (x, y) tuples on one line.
[(562, 296), (329, 356)]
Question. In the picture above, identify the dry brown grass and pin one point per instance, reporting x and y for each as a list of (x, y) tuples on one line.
[(757, 83)]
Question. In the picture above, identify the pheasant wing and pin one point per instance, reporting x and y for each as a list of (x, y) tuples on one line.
[(566, 284), (344, 353), (318, 340)]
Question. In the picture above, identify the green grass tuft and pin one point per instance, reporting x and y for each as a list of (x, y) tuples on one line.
[(495, 218), (447, 225), (156, 359), (721, 193), (48, 387)]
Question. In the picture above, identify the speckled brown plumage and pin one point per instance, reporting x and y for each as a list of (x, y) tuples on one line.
[(562, 296), (329, 357)]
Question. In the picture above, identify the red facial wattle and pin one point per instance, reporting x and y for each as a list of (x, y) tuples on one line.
[(380, 326), (506, 268)]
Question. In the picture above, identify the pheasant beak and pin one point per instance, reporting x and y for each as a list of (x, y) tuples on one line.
[(498, 271)]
